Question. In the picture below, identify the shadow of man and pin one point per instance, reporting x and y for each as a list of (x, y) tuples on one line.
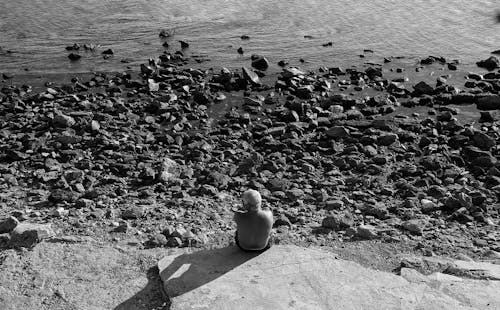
[(183, 273), (151, 297), (189, 271)]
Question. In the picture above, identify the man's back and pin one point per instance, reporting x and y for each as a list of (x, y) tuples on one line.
[(254, 228)]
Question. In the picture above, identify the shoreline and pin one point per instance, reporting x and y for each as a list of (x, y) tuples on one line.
[(162, 163)]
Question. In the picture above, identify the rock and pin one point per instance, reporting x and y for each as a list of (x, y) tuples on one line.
[(209, 190), (370, 151), (74, 47), (366, 232), (64, 121), (471, 153), (488, 102), (289, 73), (122, 227), (157, 240), (428, 206), (60, 212), (84, 203), (337, 132), (307, 168), (183, 44), (441, 81), (445, 116), (219, 180), (74, 57), (487, 117), (108, 52), (489, 64), (463, 98), (457, 201), (8, 224), (282, 220), (16, 155), (166, 33), (4, 240), (338, 221), (334, 205), (253, 102), (133, 212), (295, 194), (373, 72), (147, 70), (282, 63), (63, 195), (483, 141), (387, 139), (27, 234), (153, 86), (379, 210), (279, 184), (484, 161), (95, 126), (414, 226), (436, 191), (427, 61), (422, 88), (466, 269), (337, 70), (169, 171), (178, 232), (230, 279), (174, 242), (276, 131), (251, 76), (260, 62), (305, 92)]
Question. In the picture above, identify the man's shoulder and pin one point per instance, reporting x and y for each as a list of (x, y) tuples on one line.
[(267, 212)]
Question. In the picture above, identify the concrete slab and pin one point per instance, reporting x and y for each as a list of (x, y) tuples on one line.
[(290, 277)]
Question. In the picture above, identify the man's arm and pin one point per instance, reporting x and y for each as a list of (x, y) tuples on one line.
[(269, 215)]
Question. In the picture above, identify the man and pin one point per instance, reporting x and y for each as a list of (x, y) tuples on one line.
[(254, 224)]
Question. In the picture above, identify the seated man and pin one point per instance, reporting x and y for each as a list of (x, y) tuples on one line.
[(254, 224)]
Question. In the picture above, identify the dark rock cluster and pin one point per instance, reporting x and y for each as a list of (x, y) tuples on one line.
[(153, 155)]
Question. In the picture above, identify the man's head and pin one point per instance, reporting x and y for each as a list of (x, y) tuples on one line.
[(251, 200)]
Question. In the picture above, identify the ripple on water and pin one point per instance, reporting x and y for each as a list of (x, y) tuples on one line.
[(42, 28)]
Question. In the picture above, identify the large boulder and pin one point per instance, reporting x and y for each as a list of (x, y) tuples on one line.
[(290, 277), (27, 234), (260, 62), (422, 88), (488, 102), (8, 224), (483, 140), (338, 221), (489, 64)]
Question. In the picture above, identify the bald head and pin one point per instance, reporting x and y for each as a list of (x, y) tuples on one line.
[(251, 199)]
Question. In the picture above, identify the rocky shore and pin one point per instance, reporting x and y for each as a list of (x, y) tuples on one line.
[(160, 157)]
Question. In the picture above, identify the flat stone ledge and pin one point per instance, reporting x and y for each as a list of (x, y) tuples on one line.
[(290, 277)]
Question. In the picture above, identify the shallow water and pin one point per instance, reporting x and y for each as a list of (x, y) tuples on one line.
[(37, 31)]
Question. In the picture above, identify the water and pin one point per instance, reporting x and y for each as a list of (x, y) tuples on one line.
[(37, 31)]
